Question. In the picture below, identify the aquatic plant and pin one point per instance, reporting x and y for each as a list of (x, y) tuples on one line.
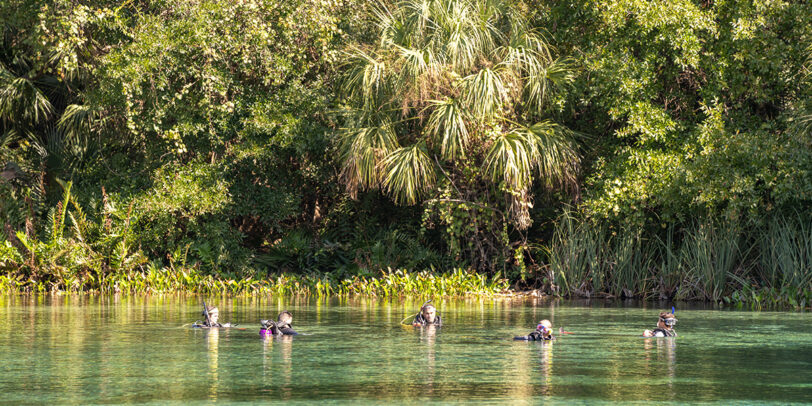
[(710, 260), (576, 258), (710, 254), (391, 283)]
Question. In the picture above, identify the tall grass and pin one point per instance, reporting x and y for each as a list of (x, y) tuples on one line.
[(576, 257), (785, 259), (710, 251), (587, 259), (710, 260)]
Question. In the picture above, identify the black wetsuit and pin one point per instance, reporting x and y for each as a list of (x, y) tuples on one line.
[(284, 329), (205, 323), (270, 327), (422, 321), (535, 336), (661, 332)]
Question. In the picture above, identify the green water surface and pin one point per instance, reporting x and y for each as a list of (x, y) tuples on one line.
[(109, 349)]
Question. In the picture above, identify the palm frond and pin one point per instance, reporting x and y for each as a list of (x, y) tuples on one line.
[(461, 40), (409, 174), (525, 52), (509, 160), (362, 150), (541, 84), (8, 137), (413, 62), (484, 27), (484, 93), (76, 121), (366, 79), (553, 152), (448, 122), (414, 22), (22, 102)]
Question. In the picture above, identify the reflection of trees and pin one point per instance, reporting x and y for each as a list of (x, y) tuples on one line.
[(77, 347), (521, 358), (73, 349)]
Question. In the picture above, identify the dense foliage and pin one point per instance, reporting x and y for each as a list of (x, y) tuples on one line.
[(449, 106), (695, 105), (240, 139)]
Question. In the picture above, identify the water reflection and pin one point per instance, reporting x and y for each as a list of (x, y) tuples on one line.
[(123, 349), (428, 336), (286, 351), (213, 346), (546, 367), (277, 362)]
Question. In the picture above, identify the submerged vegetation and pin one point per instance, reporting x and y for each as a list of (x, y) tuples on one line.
[(617, 148)]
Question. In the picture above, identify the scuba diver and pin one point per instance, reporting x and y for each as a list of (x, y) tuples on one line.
[(544, 332), (665, 326), (427, 316), (279, 327), (211, 318)]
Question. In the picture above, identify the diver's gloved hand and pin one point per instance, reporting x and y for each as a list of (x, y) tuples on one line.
[(270, 326)]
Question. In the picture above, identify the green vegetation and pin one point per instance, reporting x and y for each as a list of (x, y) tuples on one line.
[(450, 106), (391, 283), (706, 260), (625, 148)]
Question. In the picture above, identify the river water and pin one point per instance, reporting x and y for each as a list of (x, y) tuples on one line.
[(140, 349)]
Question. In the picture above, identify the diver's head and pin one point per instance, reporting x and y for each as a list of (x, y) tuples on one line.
[(214, 314), (666, 321), (284, 318), (546, 327), (429, 313)]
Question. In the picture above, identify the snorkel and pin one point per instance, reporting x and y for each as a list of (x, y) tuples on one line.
[(268, 327), (668, 320), (206, 313), (423, 306)]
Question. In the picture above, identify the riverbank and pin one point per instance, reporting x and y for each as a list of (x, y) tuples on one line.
[(169, 280), (391, 283)]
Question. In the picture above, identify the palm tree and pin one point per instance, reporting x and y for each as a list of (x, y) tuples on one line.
[(39, 125), (451, 83)]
